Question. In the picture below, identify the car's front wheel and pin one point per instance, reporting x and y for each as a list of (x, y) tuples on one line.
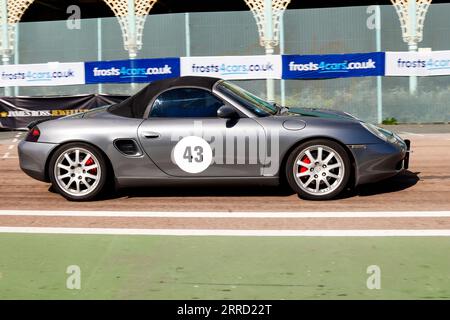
[(318, 169), (78, 171)]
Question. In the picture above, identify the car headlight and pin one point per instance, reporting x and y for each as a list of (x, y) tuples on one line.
[(381, 133)]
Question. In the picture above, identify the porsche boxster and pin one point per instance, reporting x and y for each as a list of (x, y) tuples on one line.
[(202, 130)]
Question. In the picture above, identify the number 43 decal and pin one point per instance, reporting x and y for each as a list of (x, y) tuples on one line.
[(192, 154), (188, 154)]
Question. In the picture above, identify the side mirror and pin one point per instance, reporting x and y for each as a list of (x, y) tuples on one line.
[(227, 112)]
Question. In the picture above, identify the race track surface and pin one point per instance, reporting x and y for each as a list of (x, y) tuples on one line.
[(424, 187)]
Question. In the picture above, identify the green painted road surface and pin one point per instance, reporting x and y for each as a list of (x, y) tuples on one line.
[(168, 267)]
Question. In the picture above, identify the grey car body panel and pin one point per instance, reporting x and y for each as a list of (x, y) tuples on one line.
[(213, 130), (376, 159), (101, 131), (33, 158), (373, 158)]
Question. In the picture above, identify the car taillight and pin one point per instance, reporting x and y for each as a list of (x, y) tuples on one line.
[(33, 135)]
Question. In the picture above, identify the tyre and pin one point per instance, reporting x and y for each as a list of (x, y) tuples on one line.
[(78, 171), (318, 169)]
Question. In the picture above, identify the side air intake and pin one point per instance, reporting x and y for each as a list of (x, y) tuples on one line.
[(128, 147)]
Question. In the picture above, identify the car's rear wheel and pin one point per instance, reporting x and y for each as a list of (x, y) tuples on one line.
[(78, 171), (318, 169)]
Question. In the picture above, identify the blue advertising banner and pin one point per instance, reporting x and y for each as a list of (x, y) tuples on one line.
[(333, 65), (128, 71)]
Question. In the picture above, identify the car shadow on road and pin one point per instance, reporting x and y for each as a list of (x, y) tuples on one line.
[(203, 191), (400, 182), (397, 183)]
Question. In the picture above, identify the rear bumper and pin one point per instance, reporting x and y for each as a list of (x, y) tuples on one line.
[(380, 161), (33, 158)]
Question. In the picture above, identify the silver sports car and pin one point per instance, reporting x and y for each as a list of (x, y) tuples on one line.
[(202, 130)]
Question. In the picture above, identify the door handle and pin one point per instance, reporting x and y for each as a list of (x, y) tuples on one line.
[(151, 135)]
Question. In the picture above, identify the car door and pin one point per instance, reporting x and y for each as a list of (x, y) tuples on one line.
[(236, 144)]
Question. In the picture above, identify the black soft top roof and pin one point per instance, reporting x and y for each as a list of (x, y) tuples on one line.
[(135, 106)]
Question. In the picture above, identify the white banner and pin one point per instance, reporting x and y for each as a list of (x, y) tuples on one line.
[(432, 63), (45, 74), (439, 63), (233, 67)]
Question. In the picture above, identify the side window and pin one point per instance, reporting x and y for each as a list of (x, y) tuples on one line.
[(186, 103)]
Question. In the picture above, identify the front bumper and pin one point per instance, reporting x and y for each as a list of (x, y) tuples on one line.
[(408, 151), (379, 161), (33, 158)]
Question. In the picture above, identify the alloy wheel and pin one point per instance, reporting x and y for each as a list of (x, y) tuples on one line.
[(318, 170), (77, 171)]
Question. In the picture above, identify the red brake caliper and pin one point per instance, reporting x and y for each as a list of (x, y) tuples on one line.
[(305, 160), (90, 162)]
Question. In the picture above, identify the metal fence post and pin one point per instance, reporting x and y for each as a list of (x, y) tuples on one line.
[(282, 82), (99, 48), (379, 78), (187, 34), (5, 39)]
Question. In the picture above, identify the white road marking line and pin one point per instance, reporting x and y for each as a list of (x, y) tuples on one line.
[(239, 233), (6, 155), (413, 134), (443, 136), (11, 146), (173, 214), (15, 140)]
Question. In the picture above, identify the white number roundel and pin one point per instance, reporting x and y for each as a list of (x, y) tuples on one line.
[(192, 154)]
